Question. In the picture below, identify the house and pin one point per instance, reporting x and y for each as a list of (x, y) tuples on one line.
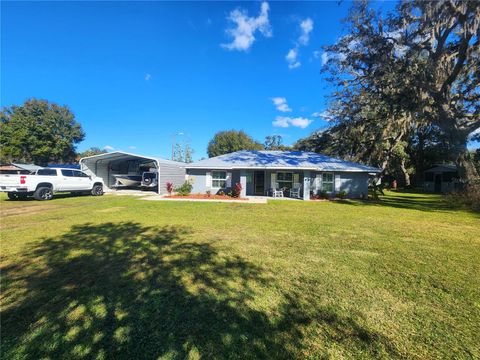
[(112, 164), (18, 168), (261, 171), (441, 178)]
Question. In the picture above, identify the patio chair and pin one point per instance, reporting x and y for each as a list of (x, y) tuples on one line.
[(277, 192), (295, 190)]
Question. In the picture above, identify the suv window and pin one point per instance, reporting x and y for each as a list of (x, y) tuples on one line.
[(77, 173), (68, 173), (47, 172)]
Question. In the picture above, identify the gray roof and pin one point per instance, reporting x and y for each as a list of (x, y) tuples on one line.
[(279, 160), (124, 156)]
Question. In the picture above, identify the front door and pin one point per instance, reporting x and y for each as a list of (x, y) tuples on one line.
[(438, 183), (259, 182)]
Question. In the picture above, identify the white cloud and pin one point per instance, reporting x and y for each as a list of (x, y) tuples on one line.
[(306, 26), (324, 58), (108, 148), (147, 76), (131, 147), (324, 115), (291, 58), (281, 104), (474, 134), (285, 121), (243, 33)]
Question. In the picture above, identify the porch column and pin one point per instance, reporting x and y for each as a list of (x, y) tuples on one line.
[(243, 182), (306, 185)]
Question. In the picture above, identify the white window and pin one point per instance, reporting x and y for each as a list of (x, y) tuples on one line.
[(219, 179), (327, 182), (284, 180)]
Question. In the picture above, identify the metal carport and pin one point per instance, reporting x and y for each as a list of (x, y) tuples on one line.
[(103, 165)]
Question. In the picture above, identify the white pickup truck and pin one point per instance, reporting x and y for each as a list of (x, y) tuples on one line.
[(44, 182)]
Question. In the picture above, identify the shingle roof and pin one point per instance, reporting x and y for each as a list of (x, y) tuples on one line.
[(279, 160)]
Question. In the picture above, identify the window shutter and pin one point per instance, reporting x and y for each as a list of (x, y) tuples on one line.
[(229, 179), (337, 182), (318, 182), (296, 178), (273, 180), (208, 179)]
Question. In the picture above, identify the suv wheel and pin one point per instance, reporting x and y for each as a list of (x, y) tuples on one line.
[(97, 190), (43, 193)]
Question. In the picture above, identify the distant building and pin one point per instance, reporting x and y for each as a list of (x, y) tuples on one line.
[(441, 178)]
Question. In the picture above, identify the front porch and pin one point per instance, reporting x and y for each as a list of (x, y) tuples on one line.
[(268, 183)]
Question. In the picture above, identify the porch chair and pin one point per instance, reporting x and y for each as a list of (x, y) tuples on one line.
[(295, 190), (277, 192)]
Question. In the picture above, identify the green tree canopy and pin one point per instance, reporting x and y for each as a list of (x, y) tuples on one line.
[(91, 152), (38, 132), (397, 77), (229, 141)]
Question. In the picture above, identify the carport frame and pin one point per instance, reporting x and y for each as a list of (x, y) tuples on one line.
[(82, 163)]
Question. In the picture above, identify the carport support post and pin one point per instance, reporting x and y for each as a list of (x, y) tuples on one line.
[(243, 182), (306, 185)]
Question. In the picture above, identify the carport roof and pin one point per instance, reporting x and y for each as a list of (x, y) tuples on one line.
[(120, 155), (280, 160)]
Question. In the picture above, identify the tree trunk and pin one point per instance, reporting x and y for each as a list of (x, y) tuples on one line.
[(465, 166), (406, 175)]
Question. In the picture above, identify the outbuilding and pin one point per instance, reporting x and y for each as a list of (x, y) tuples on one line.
[(441, 178), (278, 172), (120, 169)]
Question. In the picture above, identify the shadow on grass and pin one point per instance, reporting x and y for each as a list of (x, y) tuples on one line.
[(128, 291), (406, 201)]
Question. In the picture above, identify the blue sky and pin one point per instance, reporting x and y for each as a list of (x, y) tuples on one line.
[(134, 73)]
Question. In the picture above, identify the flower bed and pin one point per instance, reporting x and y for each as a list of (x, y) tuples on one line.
[(205, 197)]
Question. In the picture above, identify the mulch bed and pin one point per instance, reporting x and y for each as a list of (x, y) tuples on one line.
[(205, 197)]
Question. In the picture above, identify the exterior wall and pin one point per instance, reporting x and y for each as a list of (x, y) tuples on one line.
[(429, 186), (354, 184), (170, 173), (199, 178)]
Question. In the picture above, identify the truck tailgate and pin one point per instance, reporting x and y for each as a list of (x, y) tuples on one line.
[(10, 180)]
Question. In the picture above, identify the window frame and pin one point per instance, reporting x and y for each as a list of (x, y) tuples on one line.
[(330, 183), (280, 182), (224, 179)]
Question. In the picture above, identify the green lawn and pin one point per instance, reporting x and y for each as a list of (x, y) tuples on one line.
[(116, 277)]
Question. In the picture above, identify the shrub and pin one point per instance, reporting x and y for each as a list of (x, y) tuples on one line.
[(170, 187), (468, 197), (342, 194), (237, 190), (185, 189), (208, 192), (221, 193), (323, 194)]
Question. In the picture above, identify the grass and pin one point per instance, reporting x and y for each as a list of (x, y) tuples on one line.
[(120, 278)]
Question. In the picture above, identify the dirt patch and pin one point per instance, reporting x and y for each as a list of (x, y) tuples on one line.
[(26, 210), (112, 209)]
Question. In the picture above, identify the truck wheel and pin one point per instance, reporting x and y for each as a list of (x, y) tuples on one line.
[(97, 190), (43, 193), (12, 196)]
